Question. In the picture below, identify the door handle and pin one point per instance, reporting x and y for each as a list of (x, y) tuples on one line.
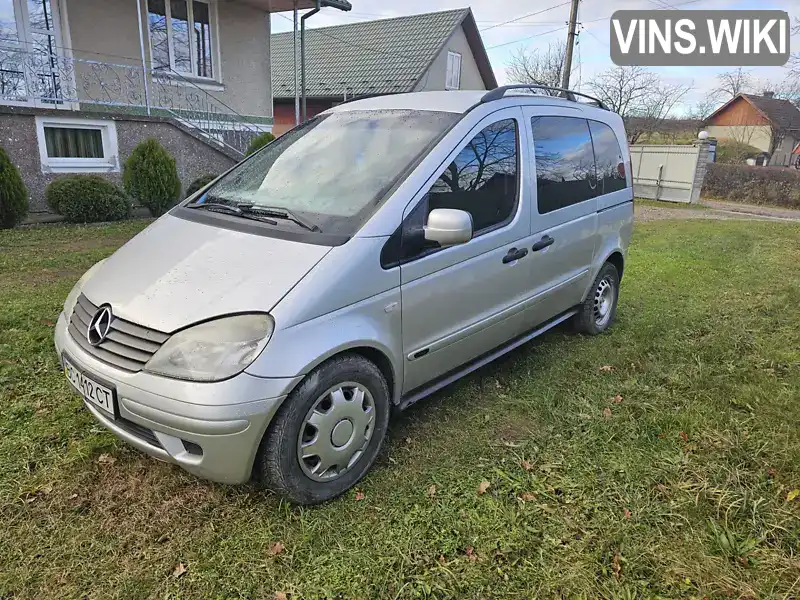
[(543, 243), (515, 254)]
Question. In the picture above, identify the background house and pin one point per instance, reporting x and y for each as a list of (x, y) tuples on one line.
[(433, 51), (770, 124), (83, 81)]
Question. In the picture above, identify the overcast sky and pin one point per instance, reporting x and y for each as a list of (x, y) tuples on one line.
[(592, 53)]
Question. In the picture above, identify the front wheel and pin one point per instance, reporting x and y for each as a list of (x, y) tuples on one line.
[(600, 307), (328, 432)]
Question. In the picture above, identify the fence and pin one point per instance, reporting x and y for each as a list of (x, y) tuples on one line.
[(672, 173)]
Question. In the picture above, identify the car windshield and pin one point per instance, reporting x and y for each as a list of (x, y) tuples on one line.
[(333, 171)]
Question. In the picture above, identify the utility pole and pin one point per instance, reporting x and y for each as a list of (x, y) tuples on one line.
[(573, 22)]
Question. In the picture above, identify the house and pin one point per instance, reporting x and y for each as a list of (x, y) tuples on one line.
[(433, 51), (82, 82), (770, 124)]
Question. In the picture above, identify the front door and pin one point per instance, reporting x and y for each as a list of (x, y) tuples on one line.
[(564, 212), (462, 301), (31, 68)]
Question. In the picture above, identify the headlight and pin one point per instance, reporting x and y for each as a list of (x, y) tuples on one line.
[(72, 299), (214, 350)]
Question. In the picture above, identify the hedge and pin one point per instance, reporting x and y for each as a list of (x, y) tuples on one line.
[(199, 184), (753, 185), (87, 199), (732, 152), (13, 194), (258, 142), (151, 177)]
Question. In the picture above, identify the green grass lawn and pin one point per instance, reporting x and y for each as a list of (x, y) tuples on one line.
[(657, 461)]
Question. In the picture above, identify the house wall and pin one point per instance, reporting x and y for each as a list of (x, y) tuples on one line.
[(434, 79), (758, 136), (109, 29), (285, 113), (192, 156), (782, 157), (740, 112)]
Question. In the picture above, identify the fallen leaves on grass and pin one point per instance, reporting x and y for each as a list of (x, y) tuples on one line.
[(607, 412), (360, 496), (471, 554), (483, 487), (280, 596), (772, 473), (179, 570), (627, 513), (432, 491), (617, 399), (684, 436), (526, 465), (528, 497), (606, 369), (106, 459), (616, 565), (275, 549), (792, 495)]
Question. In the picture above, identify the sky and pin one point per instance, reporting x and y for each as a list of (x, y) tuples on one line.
[(592, 53)]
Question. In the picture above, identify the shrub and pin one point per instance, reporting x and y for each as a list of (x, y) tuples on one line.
[(258, 142), (200, 183), (87, 199), (13, 194), (754, 185), (151, 178), (731, 152)]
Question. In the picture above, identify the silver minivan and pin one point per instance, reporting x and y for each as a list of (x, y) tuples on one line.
[(267, 327)]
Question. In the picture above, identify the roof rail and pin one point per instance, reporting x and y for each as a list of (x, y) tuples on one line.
[(500, 92)]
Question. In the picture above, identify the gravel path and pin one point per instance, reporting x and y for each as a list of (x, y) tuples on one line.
[(715, 210)]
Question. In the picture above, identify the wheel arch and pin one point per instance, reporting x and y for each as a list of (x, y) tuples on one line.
[(618, 260)]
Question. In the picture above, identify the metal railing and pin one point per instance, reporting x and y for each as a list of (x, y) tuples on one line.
[(51, 81)]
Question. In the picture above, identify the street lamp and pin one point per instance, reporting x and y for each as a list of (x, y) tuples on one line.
[(337, 4)]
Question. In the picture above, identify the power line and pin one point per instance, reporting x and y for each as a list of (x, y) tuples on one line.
[(533, 14), (565, 27), (530, 37)]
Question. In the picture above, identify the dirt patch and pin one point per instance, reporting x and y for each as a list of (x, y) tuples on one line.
[(647, 212)]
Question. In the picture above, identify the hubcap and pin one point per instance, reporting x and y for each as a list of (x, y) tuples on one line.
[(603, 301), (336, 431)]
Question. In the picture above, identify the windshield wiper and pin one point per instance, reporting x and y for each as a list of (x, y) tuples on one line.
[(279, 213), (230, 209)]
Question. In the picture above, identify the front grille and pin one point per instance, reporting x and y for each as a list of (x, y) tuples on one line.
[(127, 346)]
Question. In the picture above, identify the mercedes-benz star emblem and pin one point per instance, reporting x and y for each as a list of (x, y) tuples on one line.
[(99, 326)]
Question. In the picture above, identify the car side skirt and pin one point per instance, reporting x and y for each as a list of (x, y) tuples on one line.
[(418, 394)]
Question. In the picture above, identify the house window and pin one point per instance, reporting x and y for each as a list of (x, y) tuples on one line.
[(77, 145), (181, 37), (453, 79)]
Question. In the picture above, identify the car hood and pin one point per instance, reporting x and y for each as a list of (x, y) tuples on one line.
[(177, 272)]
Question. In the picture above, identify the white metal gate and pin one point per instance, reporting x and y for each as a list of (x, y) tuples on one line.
[(673, 173)]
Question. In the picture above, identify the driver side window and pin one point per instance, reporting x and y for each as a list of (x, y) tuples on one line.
[(482, 180)]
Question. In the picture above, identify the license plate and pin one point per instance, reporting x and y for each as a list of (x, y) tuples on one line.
[(101, 396)]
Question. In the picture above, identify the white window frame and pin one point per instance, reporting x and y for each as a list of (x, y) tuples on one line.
[(108, 164), (453, 75), (216, 64)]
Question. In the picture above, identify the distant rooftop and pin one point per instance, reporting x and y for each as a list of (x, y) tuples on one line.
[(386, 56)]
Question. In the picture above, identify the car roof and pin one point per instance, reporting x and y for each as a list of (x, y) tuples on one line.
[(451, 101)]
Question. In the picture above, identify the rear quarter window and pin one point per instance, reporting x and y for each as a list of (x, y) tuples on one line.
[(608, 159)]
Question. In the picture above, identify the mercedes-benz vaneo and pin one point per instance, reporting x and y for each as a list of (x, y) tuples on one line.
[(266, 327)]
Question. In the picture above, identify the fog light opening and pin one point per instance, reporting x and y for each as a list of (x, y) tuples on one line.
[(192, 448)]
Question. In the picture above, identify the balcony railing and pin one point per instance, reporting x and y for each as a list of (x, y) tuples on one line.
[(50, 81)]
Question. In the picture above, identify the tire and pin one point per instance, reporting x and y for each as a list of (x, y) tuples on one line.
[(316, 402), (595, 316)]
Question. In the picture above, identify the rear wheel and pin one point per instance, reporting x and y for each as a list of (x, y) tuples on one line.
[(600, 307), (328, 432)]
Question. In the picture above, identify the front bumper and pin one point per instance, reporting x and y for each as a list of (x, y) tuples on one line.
[(212, 430)]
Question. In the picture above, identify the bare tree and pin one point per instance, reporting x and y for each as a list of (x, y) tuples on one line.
[(538, 67), (732, 83), (639, 96), (703, 109)]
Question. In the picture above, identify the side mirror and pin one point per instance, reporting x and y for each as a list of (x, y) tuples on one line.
[(448, 227)]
